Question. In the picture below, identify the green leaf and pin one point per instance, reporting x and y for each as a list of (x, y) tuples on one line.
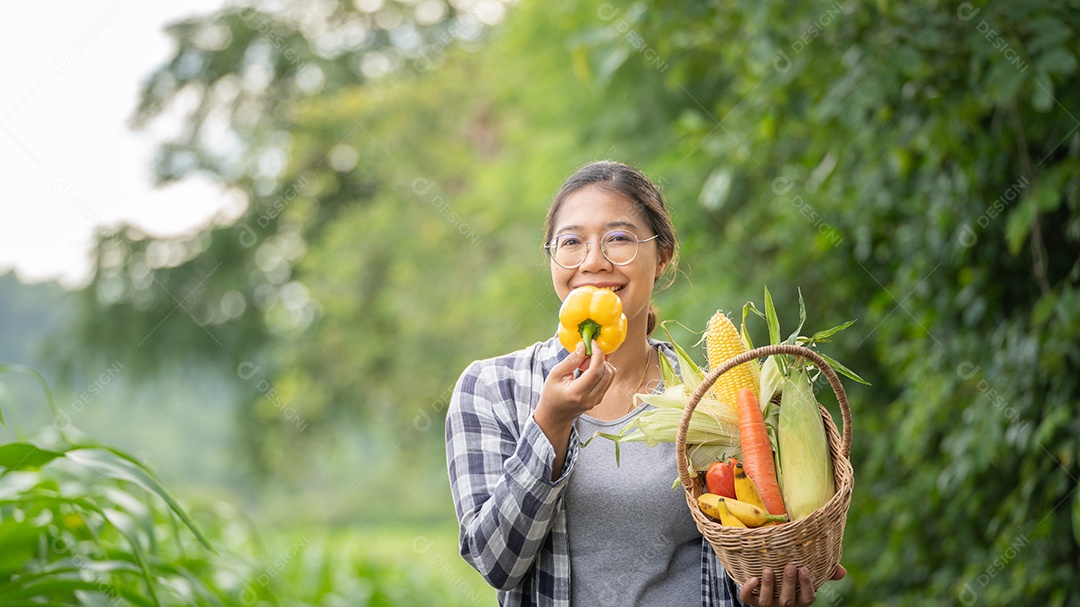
[(20, 541), (1042, 95), (1050, 32), (771, 319), (610, 60), (668, 373), (753, 308), (626, 436), (615, 438), (742, 328), (116, 464), (691, 373), (771, 413), (1019, 225), (802, 320), (1057, 60), (136, 551), (1047, 196), (25, 456), (842, 370), (1005, 81), (827, 333), (52, 586), (717, 189)]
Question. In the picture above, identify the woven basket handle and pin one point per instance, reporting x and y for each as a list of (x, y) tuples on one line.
[(712, 376)]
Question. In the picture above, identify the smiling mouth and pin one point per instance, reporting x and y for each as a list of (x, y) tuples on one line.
[(615, 289)]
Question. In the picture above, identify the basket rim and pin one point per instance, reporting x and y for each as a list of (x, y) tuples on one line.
[(681, 458)]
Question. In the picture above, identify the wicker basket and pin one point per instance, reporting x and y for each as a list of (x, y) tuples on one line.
[(815, 541)]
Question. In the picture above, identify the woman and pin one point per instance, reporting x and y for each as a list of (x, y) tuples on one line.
[(544, 520)]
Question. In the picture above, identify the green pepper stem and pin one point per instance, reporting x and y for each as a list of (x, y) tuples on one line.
[(588, 329)]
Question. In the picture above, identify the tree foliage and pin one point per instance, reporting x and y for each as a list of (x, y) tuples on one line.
[(913, 166)]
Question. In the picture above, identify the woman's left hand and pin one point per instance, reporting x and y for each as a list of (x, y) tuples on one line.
[(788, 598)]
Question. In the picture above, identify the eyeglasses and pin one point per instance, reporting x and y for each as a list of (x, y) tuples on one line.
[(620, 247)]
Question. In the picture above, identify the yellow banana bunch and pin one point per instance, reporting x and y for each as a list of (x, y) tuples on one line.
[(751, 515), (713, 506), (736, 513)]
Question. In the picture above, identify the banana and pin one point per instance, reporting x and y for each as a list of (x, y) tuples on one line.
[(751, 515), (745, 489), (713, 506)]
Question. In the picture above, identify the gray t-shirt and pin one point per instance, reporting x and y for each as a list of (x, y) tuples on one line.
[(632, 539)]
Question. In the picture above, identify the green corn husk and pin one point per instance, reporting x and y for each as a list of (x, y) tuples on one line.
[(807, 482), (661, 424), (707, 439), (771, 379)]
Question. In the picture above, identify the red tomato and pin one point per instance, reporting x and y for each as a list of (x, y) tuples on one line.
[(720, 478)]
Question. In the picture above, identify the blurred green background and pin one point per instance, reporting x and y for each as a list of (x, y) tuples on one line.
[(286, 372)]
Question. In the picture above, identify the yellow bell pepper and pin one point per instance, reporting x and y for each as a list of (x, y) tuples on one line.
[(590, 314)]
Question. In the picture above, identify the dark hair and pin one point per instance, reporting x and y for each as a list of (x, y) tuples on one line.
[(638, 189)]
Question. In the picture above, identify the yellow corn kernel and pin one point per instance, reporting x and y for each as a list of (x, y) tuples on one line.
[(722, 343)]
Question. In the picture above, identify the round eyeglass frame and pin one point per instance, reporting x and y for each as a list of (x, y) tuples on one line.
[(550, 248)]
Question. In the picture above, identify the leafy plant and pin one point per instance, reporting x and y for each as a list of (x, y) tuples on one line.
[(84, 524), (782, 361)]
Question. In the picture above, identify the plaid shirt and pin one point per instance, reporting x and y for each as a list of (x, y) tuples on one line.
[(511, 516)]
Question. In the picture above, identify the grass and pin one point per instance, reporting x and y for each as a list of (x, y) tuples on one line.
[(429, 549)]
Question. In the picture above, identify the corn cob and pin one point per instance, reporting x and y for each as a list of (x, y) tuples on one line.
[(805, 459), (722, 343)]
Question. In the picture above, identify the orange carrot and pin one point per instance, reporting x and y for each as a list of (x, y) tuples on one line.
[(757, 457)]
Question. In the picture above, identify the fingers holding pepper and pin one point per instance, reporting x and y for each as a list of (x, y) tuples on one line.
[(567, 396), (592, 384)]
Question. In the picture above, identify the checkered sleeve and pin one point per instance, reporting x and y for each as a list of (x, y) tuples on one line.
[(500, 464)]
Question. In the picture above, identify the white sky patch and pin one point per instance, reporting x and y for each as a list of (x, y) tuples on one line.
[(71, 163)]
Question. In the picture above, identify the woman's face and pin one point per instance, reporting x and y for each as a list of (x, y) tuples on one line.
[(590, 213)]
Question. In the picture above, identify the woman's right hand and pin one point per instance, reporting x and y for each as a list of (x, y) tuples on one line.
[(564, 397)]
